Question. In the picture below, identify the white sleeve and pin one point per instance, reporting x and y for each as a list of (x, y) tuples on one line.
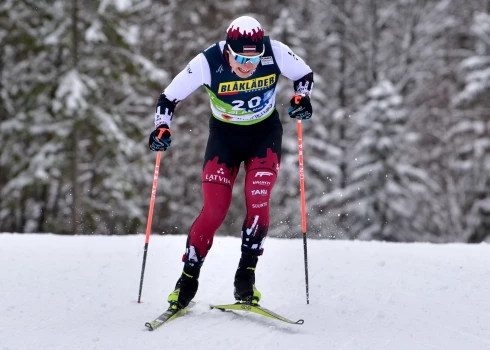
[(291, 65), (193, 76)]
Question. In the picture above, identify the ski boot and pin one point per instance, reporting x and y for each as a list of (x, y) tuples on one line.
[(185, 289), (245, 290)]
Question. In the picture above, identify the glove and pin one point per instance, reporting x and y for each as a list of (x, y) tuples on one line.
[(300, 107), (160, 138)]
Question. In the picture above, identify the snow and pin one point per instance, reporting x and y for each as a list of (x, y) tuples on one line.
[(95, 33), (80, 292), (73, 88)]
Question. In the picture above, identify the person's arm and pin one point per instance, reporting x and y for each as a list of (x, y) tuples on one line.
[(186, 82), (293, 67), (194, 75)]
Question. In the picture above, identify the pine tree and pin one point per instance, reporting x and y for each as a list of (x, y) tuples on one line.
[(80, 133), (469, 138), (384, 187)]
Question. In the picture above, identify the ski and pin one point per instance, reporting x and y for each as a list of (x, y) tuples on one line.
[(168, 316), (240, 306)]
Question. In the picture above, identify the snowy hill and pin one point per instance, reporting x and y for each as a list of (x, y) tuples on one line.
[(80, 293)]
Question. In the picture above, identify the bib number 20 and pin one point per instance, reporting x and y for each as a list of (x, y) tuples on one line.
[(252, 103)]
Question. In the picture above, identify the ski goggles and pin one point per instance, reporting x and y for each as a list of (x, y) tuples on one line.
[(244, 59)]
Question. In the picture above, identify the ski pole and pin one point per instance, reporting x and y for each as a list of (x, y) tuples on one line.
[(303, 203), (150, 217)]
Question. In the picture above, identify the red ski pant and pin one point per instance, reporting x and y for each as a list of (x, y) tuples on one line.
[(258, 146)]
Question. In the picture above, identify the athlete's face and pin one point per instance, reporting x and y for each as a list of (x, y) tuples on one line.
[(243, 70)]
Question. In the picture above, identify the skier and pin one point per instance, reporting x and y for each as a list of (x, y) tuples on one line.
[(240, 75)]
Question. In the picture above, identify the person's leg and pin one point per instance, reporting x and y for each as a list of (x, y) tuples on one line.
[(216, 198), (217, 185), (220, 169), (261, 173)]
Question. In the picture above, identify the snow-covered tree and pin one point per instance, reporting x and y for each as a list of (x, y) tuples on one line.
[(468, 179), (384, 188), (476, 69), (80, 95), (79, 82)]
